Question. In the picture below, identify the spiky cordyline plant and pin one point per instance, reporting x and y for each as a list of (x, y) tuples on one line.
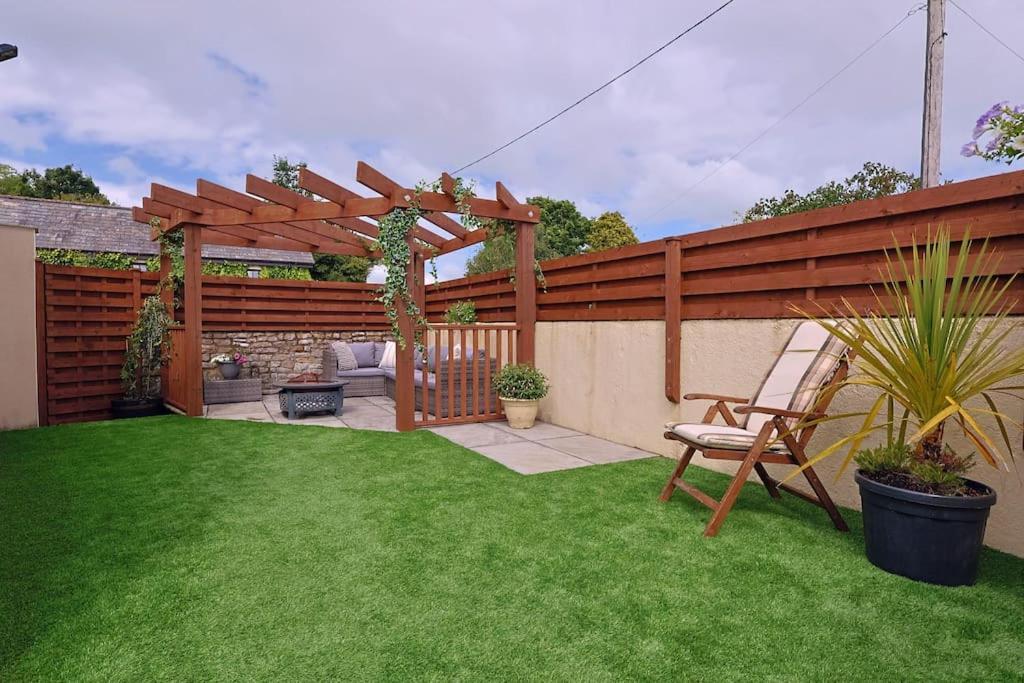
[(937, 351)]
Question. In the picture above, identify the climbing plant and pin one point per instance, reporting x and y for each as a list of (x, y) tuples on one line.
[(393, 241)]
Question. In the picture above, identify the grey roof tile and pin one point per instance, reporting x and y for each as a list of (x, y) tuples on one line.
[(89, 227)]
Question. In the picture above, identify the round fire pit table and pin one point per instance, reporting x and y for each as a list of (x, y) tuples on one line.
[(297, 398)]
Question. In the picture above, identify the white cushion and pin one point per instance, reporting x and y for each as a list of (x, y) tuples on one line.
[(719, 436), (387, 359), (810, 357)]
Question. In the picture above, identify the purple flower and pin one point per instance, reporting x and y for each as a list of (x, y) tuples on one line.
[(969, 150), (982, 124), (994, 143)]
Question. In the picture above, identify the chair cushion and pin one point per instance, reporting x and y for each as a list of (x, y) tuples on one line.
[(346, 359), (719, 436), (806, 364), (364, 353)]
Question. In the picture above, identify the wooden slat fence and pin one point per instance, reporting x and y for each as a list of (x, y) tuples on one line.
[(86, 314), (756, 270), (231, 303), (460, 361)]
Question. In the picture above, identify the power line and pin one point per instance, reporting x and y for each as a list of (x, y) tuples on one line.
[(805, 100), (594, 91), (982, 27)]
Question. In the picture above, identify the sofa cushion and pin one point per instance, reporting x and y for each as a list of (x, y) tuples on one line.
[(389, 357), (378, 351), (361, 372), (417, 377), (346, 359), (363, 352)]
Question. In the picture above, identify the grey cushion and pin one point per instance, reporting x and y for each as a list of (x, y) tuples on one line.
[(378, 352), (364, 354), (417, 375), (362, 372), (346, 359)]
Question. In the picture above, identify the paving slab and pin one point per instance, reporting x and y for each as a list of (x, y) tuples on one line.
[(538, 432), (595, 450), (246, 408), (528, 457), (472, 435)]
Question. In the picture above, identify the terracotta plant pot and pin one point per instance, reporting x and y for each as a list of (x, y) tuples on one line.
[(521, 413)]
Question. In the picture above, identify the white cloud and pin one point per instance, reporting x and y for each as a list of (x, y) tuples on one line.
[(415, 88)]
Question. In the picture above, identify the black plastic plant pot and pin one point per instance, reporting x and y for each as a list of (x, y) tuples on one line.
[(124, 408), (925, 537)]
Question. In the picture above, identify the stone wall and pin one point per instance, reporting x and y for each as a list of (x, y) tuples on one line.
[(277, 356)]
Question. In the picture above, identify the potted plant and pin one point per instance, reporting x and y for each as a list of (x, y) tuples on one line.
[(148, 349), (461, 313), (935, 355), (520, 388), (230, 364)]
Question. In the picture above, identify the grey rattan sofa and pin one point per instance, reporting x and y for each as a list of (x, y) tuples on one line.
[(371, 380), (364, 381), (454, 388)]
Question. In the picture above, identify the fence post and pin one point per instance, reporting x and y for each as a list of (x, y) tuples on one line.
[(193, 319), (42, 380), (673, 317), (526, 293)]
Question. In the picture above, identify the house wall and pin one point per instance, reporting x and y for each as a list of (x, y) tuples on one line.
[(19, 398), (608, 380)]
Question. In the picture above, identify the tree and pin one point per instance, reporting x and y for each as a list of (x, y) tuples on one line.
[(563, 231), (332, 267), (61, 182), (872, 181), (610, 230)]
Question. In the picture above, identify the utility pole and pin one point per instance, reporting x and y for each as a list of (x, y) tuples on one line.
[(931, 128)]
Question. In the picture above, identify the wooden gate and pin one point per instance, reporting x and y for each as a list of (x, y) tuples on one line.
[(454, 372)]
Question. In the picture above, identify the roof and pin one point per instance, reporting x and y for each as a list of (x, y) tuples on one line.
[(96, 228)]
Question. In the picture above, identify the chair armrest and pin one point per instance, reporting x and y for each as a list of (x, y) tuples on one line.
[(714, 397), (779, 412)]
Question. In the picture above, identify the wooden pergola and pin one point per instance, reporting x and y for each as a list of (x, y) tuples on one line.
[(334, 220)]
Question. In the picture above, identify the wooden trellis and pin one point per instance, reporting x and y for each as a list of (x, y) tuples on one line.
[(333, 220)]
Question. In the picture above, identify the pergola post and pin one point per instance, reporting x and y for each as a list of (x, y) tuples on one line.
[(193, 352), (405, 365), (167, 299), (526, 293)]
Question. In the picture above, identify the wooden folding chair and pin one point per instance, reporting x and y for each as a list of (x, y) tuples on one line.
[(795, 392)]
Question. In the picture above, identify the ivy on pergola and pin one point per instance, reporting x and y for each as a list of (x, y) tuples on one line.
[(268, 216)]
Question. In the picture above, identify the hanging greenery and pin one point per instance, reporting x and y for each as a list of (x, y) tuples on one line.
[(393, 241)]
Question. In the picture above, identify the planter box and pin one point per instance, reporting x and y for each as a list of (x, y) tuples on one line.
[(232, 390)]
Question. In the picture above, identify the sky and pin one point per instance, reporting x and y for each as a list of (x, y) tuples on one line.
[(137, 92)]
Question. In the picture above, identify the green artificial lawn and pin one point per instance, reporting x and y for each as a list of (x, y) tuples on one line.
[(194, 549)]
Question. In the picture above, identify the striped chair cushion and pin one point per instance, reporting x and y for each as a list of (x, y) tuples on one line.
[(703, 436), (811, 357)]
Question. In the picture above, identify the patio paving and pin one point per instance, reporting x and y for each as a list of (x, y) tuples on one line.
[(544, 448)]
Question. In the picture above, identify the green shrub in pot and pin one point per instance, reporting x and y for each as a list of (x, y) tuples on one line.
[(520, 388)]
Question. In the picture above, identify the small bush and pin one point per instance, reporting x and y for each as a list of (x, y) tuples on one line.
[(523, 382), (893, 457), (285, 273), (461, 313)]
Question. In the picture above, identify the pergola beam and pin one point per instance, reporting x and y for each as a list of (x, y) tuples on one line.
[(380, 183)]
